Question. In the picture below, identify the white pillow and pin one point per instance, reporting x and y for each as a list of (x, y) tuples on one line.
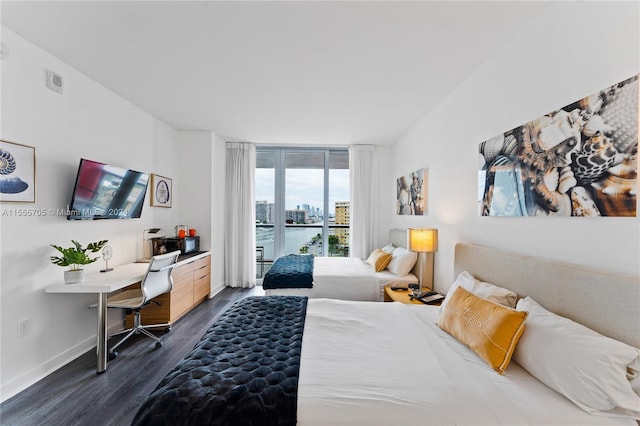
[(402, 261), (389, 248), (586, 367), (482, 289)]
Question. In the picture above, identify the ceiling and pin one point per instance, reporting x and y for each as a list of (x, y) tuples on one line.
[(326, 73)]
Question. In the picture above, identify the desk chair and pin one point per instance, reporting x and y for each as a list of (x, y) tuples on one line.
[(156, 281)]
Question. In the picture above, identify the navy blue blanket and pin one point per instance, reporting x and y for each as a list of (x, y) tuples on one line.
[(244, 371), (290, 271)]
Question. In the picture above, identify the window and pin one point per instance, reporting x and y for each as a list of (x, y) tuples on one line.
[(302, 201)]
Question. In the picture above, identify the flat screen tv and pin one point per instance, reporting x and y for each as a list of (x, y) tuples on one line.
[(107, 192)]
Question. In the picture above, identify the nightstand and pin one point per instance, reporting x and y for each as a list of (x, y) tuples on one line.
[(401, 296)]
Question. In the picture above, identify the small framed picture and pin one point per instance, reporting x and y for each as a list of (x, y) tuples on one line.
[(17, 173), (161, 191)]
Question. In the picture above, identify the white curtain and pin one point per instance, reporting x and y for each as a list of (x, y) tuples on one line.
[(363, 176), (240, 235)]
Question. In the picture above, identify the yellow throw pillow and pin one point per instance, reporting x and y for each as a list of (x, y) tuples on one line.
[(489, 329), (379, 259)]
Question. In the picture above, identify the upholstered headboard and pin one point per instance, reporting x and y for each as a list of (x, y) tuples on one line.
[(605, 302), (398, 237)]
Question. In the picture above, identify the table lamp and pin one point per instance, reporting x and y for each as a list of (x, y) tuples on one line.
[(425, 242)]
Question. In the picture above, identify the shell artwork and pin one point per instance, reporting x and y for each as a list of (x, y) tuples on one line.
[(620, 112), (596, 124), (552, 179), (591, 103), (510, 145), (567, 180), (582, 204), (12, 184), (7, 163), (594, 159), (578, 160), (616, 195), (536, 162), (557, 130), (491, 148)]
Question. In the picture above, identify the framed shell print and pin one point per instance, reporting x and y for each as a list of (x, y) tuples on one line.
[(161, 191), (411, 193), (577, 161), (17, 172)]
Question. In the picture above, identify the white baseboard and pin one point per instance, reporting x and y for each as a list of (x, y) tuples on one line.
[(22, 382), (215, 290)]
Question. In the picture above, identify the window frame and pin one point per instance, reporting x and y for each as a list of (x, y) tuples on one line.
[(279, 225)]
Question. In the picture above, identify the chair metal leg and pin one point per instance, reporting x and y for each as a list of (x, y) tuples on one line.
[(155, 326), (138, 328), (118, 333), (148, 333), (131, 333)]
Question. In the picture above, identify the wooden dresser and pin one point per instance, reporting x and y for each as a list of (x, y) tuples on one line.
[(191, 285)]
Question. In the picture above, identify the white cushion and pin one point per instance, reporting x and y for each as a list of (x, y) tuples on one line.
[(482, 289), (586, 367), (389, 248), (402, 261)]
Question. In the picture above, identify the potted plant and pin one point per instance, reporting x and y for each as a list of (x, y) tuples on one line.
[(74, 257)]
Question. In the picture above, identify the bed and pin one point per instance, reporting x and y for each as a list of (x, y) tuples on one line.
[(361, 363), (350, 278)]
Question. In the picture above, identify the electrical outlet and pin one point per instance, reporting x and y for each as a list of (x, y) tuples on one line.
[(24, 327)]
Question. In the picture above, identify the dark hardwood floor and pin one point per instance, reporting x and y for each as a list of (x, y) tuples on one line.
[(76, 395)]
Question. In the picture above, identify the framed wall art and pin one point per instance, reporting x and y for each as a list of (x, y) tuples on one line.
[(161, 191), (17, 172), (580, 160), (411, 193)]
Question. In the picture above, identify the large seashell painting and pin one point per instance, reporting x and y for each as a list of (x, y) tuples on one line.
[(578, 160)]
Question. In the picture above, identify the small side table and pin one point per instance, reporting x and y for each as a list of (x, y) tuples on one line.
[(402, 296)]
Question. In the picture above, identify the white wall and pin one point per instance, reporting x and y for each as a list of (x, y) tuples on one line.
[(201, 194), (86, 121), (194, 158), (571, 51)]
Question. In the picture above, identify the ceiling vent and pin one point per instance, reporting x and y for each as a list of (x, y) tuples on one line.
[(54, 82)]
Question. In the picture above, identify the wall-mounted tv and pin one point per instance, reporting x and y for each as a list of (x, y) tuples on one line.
[(107, 192)]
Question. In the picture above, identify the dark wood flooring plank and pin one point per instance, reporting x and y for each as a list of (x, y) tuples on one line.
[(76, 395)]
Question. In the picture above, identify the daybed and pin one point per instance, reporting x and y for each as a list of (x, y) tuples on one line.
[(347, 278), (360, 363)]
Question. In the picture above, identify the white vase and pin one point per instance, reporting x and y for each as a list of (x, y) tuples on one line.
[(71, 277)]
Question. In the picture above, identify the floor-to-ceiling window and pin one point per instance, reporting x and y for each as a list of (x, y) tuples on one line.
[(302, 201)]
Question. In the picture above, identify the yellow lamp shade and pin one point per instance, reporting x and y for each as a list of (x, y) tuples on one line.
[(423, 240)]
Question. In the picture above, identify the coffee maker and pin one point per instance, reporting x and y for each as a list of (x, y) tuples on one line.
[(158, 245), (153, 243)]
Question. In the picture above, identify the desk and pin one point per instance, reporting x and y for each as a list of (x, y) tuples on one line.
[(103, 283)]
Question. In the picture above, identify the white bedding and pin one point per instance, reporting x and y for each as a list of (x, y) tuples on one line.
[(390, 364), (345, 278)]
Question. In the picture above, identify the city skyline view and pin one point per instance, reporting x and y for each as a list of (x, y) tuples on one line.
[(304, 186)]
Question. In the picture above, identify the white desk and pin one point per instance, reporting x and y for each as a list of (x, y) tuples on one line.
[(103, 283)]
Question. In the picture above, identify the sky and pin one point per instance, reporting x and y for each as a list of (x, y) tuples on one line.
[(304, 186)]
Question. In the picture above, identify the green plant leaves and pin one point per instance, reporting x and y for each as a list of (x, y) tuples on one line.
[(76, 256)]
